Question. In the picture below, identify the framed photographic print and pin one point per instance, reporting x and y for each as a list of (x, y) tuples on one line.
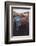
[(19, 22)]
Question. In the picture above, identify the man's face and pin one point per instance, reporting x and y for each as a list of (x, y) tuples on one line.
[(24, 19)]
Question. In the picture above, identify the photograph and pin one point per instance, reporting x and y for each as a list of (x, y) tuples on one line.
[(20, 22)]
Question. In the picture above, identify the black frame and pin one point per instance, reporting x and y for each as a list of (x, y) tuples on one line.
[(7, 3)]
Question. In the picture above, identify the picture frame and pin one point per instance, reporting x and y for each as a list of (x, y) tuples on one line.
[(17, 12)]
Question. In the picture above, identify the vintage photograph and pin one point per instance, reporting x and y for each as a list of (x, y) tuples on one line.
[(20, 22)]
